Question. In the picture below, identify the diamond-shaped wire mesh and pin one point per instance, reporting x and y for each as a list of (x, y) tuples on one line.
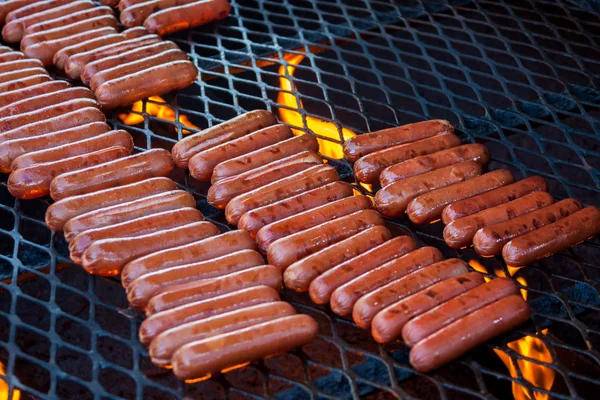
[(520, 77)]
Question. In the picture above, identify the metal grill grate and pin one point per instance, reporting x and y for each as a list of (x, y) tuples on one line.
[(518, 76)]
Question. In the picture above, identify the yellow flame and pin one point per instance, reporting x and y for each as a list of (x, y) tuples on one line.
[(4, 391), (161, 111), (477, 266)]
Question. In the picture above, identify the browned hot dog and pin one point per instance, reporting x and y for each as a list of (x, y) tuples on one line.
[(60, 57), (16, 75), (11, 5), (188, 16), (38, 102), (123, 4), (63, 18), (46, 86), (11, 56), (23, 83), (18, 65), (110, 3), (136, 31), (34, 8), (136, 14)]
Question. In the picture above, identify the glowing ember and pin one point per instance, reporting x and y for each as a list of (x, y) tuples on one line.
[(161, 111), (4, 393)]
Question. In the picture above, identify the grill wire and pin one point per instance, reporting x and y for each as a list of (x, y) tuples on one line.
[(519, 76)]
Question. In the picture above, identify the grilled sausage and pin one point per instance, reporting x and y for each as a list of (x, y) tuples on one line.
[(126, 211), (267, 155), (108, 257), (141, 290), (45, 86), (387, 325), (368, 168), (136, 14), (46, 22), (135, 227), (553, 238), (188, 16), (22, 83), (361, 145), (165, 344), (123, 4), (224, 132), (34, 181), (393, 199), (429, 206), (490, 240), (11, 56), (287, 250), (34, 8), (177, 295), (423, 164), (45, 99), (310, 218), (201, 165), (369, 305), (136, 31), (199, 310), (311, 178), (218, 353), (300, 274), (15, 76), (62, 56), (109, 3), (482, 325), (443, 315), (460, 232), (323, 286), (10, 5), (148, 164), (344, 297), (255, 219), (221, 193), (203, 250), (18, 65)]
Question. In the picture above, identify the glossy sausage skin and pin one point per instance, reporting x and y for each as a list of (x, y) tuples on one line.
[(45, 99), (428, 207), (300, 274), (553, 238), (67, 31), (149, 164), (136, 14), (143, 288), (460, 233), (23, 83), (107, 257), (203, 250), (323, 286), (18, 65), (177, 295), (61, 57), (370, 304), (490, 240), (344, 297), (435, 319), (388, 323), (63, 210), (468, 333), (11, 56), (11, 5), (224, 132), (34, 181), (34, 8), (47, 22), (188, 16), (47, 86), (16, 75), (493, 198), (284, 252), (368, 168), (423, 164), (262, 157), (199, 310), (209, 356), (393, 199), (123, 4)]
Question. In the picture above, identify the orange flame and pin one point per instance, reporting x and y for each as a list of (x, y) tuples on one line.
[(161, 111), (4, 390), (477, 266)]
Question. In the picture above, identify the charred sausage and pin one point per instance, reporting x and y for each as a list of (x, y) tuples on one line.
[(38, 102), (188, 16), (23, 83), (136, 14), (11, 5), (61, 57), (15, 76), (33, 8), (21, 64), (62, 18), (44, 87)]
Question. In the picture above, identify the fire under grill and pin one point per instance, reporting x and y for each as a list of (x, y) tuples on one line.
[(520, 77)]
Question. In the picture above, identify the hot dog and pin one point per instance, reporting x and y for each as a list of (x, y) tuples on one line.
[(393, 199), (311, 218), (361, 145), (11, 5), (387, 325), (423, 164), (136, 14), (311, 178), (490, 240), (460, 232), (123, 4), (267, 155), (221, 193), (34, 8), (149, 164), (110, 3), (429, 206), (143, 288), (209, 356), (443, 315), (11, 56), (22, 83), (224, 132), (368, 168), (135, 227), (46, 86), (482, 325), (38, 102), (177, 295), (553, 238), (202, 250), (188, 16), (136, 31), (20, 74), (300, 274), (46, 22), (287, 250), (370, 304), (34, 181), (107, 257), (196, 311), (126, 211), (201, 165), (343, 298), (255, 219), (323, 286), (17, 65), (60, 57)]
